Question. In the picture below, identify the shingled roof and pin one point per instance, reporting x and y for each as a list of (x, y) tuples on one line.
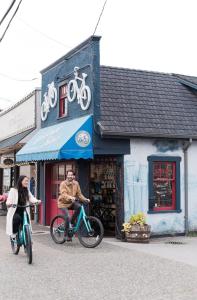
[(142, 103)]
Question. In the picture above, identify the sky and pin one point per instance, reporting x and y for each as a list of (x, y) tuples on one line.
[(153, 35)]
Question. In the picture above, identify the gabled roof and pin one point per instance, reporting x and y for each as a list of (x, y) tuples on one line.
[(142, 103)]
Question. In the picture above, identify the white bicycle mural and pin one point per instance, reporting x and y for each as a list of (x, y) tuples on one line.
[(50, 100), (82, 92)]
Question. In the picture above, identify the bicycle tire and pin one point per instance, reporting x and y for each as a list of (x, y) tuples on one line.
[(84, 236), (54, 97), (71, 91), (15, 245), (44, 113), (57, 229), (85, 98), (28, 244)]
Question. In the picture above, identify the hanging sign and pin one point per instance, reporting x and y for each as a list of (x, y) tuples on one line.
[(8, 161)]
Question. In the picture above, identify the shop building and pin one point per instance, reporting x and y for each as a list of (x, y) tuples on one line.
[(69, 138), (19, 123), (130, 137)]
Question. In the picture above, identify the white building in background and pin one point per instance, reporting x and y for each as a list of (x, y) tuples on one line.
[(19, 123)]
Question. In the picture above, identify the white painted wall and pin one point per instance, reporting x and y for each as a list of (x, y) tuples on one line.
[(192, 185), (18, 118), (136, 185)]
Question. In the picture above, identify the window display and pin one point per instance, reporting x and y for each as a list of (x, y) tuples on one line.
[(103, 190)]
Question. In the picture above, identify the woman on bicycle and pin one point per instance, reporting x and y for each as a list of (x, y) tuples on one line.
[(20, 195)]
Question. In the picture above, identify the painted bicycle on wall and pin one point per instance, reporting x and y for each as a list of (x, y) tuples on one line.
[(82, 92), (50, 101)]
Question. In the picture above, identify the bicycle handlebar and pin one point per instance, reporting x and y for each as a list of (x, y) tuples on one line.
[(23, 206)]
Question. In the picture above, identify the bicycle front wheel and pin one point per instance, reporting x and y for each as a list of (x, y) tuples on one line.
[(90, 235), (28, 244), (15, 245), (58, 229)]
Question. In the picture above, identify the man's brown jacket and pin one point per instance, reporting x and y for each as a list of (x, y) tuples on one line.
[(68, 190)]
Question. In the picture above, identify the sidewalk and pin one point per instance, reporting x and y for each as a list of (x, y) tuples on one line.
[(181, 249), (177, 248)]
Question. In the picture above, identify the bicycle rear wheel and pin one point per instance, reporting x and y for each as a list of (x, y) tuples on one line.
[(15, 245), (92, 236), (28, 244), (58, 229)]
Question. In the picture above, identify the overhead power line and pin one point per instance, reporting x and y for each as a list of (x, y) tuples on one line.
[(8, 10), (17, 79), (42, 33), (10, 21), (100, 17)]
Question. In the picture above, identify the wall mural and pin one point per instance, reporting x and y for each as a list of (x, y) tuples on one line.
[(136, 189)]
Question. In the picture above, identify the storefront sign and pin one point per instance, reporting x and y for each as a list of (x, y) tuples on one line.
[(8, 161), (83, 138), (80, 92), (50, 101)]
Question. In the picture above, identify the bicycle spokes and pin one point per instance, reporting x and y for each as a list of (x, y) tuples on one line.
[(90, 232), (58, 229)]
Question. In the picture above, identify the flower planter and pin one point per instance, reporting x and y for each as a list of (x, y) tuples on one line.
[(138, 234)]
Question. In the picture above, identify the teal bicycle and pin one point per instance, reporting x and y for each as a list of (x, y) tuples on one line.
[(88, 229), (23, 236)]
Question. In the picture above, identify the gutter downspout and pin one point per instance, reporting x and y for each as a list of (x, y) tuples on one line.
[(186, 145)]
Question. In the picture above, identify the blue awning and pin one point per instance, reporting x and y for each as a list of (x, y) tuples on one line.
[(66, 140)]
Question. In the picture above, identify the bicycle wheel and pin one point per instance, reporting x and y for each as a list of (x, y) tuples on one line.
[(91, 237), (71, 91), (85, 97), (58, 229), (15, 245), (44, 111), (28, 244)]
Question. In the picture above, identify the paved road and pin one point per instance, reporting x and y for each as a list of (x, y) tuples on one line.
[(114, 270)]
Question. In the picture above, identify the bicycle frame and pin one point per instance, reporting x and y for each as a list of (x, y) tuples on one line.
[(22, 238), (82, 216), (21, 231)]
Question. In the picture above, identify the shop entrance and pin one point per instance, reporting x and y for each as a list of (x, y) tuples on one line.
[(105, 193), (55, 174)]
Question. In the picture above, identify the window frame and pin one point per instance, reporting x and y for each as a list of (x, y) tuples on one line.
[(151, 160), (63, 101)]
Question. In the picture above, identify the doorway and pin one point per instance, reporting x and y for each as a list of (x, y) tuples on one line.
[(55, 174), (104, 195)]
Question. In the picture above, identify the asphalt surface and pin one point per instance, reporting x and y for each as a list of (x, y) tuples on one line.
[(113, 270)]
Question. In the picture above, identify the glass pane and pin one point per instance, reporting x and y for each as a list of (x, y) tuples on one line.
[(164, 184), (61, 173), (54, 191), (54, 173)]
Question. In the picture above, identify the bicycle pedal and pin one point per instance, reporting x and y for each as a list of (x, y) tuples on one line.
[(68, 239)]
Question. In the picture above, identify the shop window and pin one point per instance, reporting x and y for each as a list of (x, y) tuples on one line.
[(63, 102), (103, 191), (164, 184)]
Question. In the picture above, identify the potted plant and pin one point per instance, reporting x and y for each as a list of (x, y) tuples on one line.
[(136, 230)]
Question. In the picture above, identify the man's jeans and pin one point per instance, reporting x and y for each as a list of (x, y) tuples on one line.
[(76, 206)]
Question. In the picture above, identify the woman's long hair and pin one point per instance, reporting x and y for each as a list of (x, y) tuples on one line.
[(23, 193)]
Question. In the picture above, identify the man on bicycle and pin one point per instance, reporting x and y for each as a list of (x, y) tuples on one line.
[(70, 192)]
